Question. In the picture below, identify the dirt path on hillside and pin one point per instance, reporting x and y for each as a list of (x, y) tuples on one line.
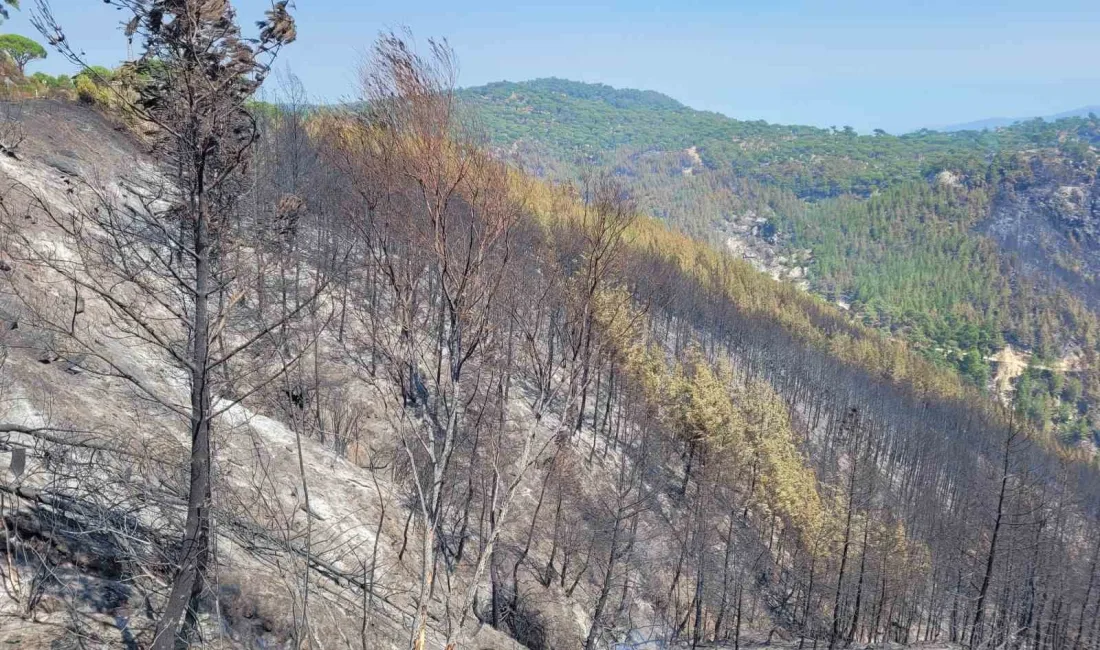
[(1011, 363)]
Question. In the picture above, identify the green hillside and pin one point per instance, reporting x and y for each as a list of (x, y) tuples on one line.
[(573, 121)]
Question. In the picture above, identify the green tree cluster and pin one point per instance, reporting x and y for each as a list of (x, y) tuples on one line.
[(21, 50)]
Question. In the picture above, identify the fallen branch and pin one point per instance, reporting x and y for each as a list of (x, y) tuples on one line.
[(48, 434)]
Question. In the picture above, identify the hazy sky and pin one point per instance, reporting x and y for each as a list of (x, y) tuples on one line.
[(881, 63)]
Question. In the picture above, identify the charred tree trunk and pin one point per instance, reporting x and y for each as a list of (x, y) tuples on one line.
[(979, 606)]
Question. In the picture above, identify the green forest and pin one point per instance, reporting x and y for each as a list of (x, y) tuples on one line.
[(575, 122)]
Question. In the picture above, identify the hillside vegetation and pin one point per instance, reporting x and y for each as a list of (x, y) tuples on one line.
[(345, 379), (897, 227), (571, 120)]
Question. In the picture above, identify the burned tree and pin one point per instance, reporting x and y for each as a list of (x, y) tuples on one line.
[(170, 270)]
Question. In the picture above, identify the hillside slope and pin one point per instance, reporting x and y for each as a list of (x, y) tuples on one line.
[(652, 439)]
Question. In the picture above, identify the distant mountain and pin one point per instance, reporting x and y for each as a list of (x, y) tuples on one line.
[(1000, 122), (621, 98)]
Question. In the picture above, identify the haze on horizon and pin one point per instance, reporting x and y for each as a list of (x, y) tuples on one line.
[(895, 66)]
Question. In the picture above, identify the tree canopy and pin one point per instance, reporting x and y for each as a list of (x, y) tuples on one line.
[(21, 49)]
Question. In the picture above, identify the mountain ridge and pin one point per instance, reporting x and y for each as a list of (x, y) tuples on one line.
[(626, 97)]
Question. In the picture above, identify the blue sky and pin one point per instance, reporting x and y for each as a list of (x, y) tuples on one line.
[(882, 63)]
